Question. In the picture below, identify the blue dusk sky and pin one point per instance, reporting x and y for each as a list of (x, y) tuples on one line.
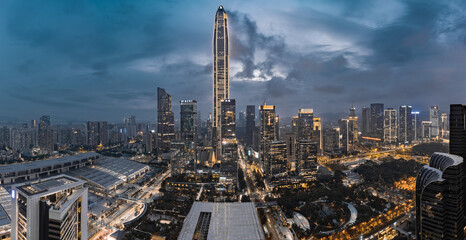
[(103, 60)]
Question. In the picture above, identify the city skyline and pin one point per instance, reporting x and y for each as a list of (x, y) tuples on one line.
[(309, 52), (305, 120)]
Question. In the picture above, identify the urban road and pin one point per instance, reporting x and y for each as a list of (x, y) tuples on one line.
[(274, 224)]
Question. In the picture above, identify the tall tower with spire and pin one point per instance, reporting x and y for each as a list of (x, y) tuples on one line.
[(220, 72)]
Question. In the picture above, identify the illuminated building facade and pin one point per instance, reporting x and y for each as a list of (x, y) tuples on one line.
[(405, 124), (416, 126), (50, 208), (435, 119), (228, 147), (290, 141), (317, 133), (307, 157), (165, 121), (278, 158), (220, 71), (267, 133), (353, 127), (305, 124), (389, 126), (444, 128), (439, 198)]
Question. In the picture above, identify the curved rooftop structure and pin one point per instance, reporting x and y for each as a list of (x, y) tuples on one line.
[(439, 191), (426, 176), (442, 161)]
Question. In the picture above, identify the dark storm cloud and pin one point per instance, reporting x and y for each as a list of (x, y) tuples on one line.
[(246, 40), (85, 60)]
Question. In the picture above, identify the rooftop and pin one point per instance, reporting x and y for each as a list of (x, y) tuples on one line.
[(222, 221), (49, 184), (44, 163), (5, 208)]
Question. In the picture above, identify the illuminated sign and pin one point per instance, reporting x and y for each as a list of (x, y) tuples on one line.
[(13, 194)]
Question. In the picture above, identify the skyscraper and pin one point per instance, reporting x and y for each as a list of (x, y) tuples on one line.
[(317, 133), (267, 133), (426, 130), (45, 135), (345, 135), (228, 147), (165, 121), (444, 129), (377, 118), (188, 120), (305, 124), (353, 126), (366, 120), (435, 119), (405, 124), (50, 208), (416, 126), (458, 136), (250, 123), (220, 70), (389, 126), (439, 198)]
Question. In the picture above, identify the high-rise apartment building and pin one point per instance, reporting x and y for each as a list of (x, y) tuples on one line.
[(188, 120), (377, 120), (165, 121), (435, 119), (439, 198), (96, 133), (389, 126), (50, 208), (405, 124), (45, 137), (250, 123), (220, 71), (4, 137)]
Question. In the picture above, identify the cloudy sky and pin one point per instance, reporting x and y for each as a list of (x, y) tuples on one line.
[(103, 60)]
